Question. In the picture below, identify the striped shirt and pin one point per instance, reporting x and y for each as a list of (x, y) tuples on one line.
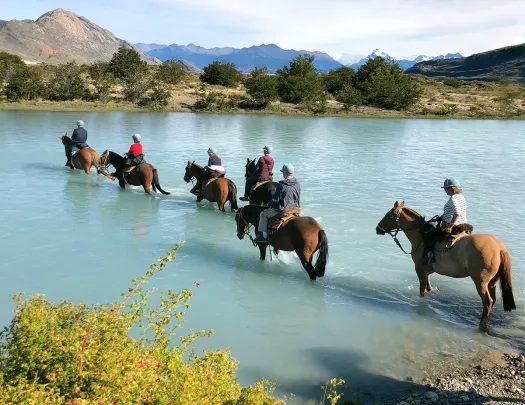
[(456, 204)]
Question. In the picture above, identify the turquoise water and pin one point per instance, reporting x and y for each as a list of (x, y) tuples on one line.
[(79, 237)]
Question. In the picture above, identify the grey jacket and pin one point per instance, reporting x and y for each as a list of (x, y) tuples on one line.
[(287, 195)]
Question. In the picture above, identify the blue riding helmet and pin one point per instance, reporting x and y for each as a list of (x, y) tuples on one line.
[(212, 150), (287, 168), (451, 182)]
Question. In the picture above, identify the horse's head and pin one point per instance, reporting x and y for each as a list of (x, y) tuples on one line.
[(242, 224), (250, 168), (66, 140), (188, 175), (390, 222), (104, 159)]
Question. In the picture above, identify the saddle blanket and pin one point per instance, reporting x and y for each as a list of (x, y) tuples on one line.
[(275, 223)]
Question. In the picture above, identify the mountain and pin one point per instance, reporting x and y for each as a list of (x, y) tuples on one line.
[(149, 47), (496, 65), (403, 63), (60, 36), (245, 59)]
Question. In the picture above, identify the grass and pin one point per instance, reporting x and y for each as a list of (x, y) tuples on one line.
[(464, 100)]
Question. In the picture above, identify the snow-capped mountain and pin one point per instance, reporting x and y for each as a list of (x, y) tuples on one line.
[(406, 62)]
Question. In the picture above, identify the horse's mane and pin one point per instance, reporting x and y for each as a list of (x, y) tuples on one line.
[(413, 212), (197, 165)]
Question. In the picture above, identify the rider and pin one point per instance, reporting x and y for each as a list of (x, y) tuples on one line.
[(78, 140), (287, 195), (454, 214), (134, 155), (263, 171), (214, 169)]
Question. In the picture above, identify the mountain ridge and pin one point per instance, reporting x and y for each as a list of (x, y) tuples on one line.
[(403, 63)]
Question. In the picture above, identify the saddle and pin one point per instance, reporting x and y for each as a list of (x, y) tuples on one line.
[(259, 183), (448, 242), (215, 175), (275, 223)]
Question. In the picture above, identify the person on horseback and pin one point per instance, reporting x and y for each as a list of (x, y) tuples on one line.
[(450, 223), (214, 170), (78, 140), (287, 195), (263, 172), (134, 155)]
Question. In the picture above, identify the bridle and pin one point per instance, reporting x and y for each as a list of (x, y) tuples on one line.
[(247, 225), (393, 233)]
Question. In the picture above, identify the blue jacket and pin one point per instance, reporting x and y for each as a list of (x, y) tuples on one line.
[(214, 161), (287, 195), (79, 135)]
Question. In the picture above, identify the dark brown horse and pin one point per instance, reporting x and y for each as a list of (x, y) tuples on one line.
[(85, 158), (264, 193), (303, 235), (144, 175), (482, 257), (219, 190)]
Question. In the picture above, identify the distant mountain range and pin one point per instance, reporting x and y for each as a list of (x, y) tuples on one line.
[(496, 65), (60, 36), (245, 59), (403, 63)]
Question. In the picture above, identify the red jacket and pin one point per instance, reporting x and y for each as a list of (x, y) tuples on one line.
[(264, 166), (135, 149)]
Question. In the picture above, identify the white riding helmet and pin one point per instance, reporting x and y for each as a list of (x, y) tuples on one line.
[(80, 123), (136, 137)]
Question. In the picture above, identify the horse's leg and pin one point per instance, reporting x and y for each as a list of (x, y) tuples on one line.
[(423, 280), (121, 183), (483, 291), (262, 250), (429, 287), (87, 167)]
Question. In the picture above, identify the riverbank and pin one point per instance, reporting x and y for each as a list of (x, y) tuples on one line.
[(468, 100)]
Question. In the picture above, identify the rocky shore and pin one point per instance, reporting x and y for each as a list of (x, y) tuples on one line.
[(501, 382)]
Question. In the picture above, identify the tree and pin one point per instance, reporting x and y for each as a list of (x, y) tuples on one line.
[(335, 80), (8, 61), (349, 96), (170, 72), (126, 63), (372, 66), (23, 83), (221, 73), (158, 98), (299, 82), (136, 86), (66, 83), (261, 87), (102, 80)]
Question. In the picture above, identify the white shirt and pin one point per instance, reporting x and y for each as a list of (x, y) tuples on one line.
[(456, 205)]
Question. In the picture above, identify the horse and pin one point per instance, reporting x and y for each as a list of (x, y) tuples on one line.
[(219, 190), (264, 193), (303, 235), (482, 257), (145, 174), (85, 158)]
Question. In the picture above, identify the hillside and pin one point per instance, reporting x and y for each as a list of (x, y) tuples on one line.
[(498, 65), (61, 36), (245, 59), (403, 63)]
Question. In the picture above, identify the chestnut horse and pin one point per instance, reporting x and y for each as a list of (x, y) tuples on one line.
[(264, 193), (219, 191), (303, 235), (144, 175), (482, 257), (85, 158)]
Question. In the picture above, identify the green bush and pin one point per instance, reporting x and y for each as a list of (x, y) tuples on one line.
[(24, 83), (66, 83), (126, 63), (349, 96), (261, 87), (215, 101), (126, 353), (221, 73), (102, 80), (136, 86), (299, 82), (158, 98), (453, 82), (7, 62), (170, 72), (335, 80)]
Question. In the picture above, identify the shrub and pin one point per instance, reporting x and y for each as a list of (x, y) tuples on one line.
[(261, 87), (349, 96), (170, 72), (7, 62), (77, 354), (66, 83), (215, 101), (136, 86), (23, 83), (158, 98), (453, 82), (299, 82), (126, 63), (102, 80), (221, 73), (335, 80)]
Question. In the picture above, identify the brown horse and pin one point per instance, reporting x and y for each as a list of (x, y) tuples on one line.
[(482, 257), (303, 235), (219, 190), (85, 158), (144, 175)]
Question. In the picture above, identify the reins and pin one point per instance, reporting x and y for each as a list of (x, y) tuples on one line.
[(247, 231), (393, 234)]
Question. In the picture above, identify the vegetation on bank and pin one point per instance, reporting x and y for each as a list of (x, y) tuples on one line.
[(126, 352), (376, 89)]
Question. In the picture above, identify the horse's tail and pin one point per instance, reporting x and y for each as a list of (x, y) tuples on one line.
[(504, 274), (157, 183), (232, 195), (322, 259)]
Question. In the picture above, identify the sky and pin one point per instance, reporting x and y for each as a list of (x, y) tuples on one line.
[(346, 29)]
